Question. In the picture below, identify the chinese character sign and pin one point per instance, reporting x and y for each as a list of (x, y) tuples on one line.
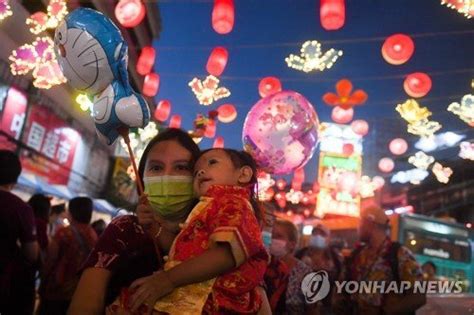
[(12, 117)]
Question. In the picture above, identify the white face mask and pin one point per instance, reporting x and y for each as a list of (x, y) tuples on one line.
[(278, 248), (318, 241)]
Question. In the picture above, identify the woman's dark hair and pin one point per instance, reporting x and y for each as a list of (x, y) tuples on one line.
[(81, 209), (178, 135), (41, 206)]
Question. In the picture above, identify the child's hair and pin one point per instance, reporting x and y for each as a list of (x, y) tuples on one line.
[(240, 159)]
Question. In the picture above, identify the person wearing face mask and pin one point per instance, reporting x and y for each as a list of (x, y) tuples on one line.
[(319, 237)]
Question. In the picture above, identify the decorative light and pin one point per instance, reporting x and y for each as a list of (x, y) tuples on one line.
[(208, 91), (421, 160), (417, 84), (281, 183), (294, 196), (265, 181), (130, 13), (467, 150), (367, 187), (398, 49), (223, 16), (162, 111), (175, 121), (412, 112), (344, 98), (218, 143), (148, 133), (269, 86), (5, 9), (360, 127), (342, 116), (398, 146), (386, 165), (217, 61), (151, 84), (465, 7), (332, 14), (414, 176), (84, 102), (465, 109), (442, 173), (210, 128), (226, 113), (146, 60), (424, 128), (40, 21), (379, 181), (427, 144), (312, 58)]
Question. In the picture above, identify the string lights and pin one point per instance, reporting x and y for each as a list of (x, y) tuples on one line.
[(208, 91), (465, 7), (5, 9), (465, 109), (421, 160), (41, 21), (311, 58)]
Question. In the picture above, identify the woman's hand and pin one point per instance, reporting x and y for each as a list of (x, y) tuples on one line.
[(149, 289), (144, 211)]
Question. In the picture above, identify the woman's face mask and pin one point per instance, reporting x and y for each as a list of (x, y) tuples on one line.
[(278, 248), (318, 241), (169, 195)]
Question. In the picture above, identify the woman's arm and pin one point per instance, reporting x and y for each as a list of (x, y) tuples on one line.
[(89, 297)]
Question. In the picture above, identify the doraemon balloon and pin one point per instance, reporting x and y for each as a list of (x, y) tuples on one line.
[(93, 57)]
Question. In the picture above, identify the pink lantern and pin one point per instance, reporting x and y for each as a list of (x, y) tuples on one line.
[(223, 16), (347, 149), (298, 179), (332, 14), (217, 61), (398, 49), (386, 165), (417, 84), (129, 13), (378, 181), (210, 129), (175, 121), (218, 143), (162, 111), (398, 146), (342, 116), (360, 127), (269, 86), (281, 183), (146, 60), (151, 84), (226, 113)]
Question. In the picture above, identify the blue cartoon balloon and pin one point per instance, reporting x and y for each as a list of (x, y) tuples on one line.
[(93, 57)]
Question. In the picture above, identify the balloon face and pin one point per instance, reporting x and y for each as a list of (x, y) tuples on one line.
[(281, 132)]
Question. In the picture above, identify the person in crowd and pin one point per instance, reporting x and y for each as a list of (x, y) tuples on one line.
[(18, 245), (41, 207), (56, 218), (67, 251), (319, 236), (99, 226), (218, 260), (429, 271), (379, 259)]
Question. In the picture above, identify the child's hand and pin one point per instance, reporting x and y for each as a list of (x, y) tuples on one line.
[(149, 289), (144, 211)]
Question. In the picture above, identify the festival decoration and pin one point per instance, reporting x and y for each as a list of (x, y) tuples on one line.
[(367, 187), (344, 98), (421, 160), (5, 9), (398, 146), (466, 150), (281, 132), (464, 7), (347, 149), (339, 140), (211, 127), (311, 58), (84, 102), (39, 59), (398, 49), (146, 60), (41, 21), (218, 143), (223, 16), (465, 109), (269, 86), (412, 112), (442, 173), (386, 165), (226, 113), (281, 184), (379, 181), (294, 196), (175, 121), (332, 14), (162, 111), (151, 84), (342, 116), (417, 84), (360, 127), (424, 128), (445, 139), (217, 61), (414, 176), (130, 13), (208, 91)]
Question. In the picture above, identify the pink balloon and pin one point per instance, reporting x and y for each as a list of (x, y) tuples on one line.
[(360, 127), (398, 146), (342, 116), (386, 165)]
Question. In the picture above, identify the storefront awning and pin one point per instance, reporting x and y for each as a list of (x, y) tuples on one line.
[(102, 205)]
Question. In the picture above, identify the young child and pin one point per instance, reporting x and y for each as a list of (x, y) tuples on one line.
[(218, 259)]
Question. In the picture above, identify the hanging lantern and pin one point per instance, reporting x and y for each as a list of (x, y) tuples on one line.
[(398, 146), (223, 16), (210, 131), (386, 165), (151, 84), (398, 49), (129, 13), (332, 14), (360, 127), (417, 84), (175, 121), (342, 116), (298, 179), (226, 113), (269, 86), (281, 184), (217, 61), (146, 60), (162, 111), (218, 143)]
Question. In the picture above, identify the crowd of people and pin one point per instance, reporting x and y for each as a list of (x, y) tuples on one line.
[(193, 246)]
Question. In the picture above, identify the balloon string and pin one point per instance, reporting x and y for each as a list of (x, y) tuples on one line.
[(124, 133)]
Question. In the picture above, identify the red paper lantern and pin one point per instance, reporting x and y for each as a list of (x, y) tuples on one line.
[(360, 127), (223, 16), (129, 13), (218, 143), (342, 116), (386, 165), (332, 14), (217, 61), (175, 121), (162, 111), (281, 183), (151, 84), (210, 129), (146, 60), (226, 113), (398, 146), (269, 86), (397, 49), (417, 84), (298, 179)]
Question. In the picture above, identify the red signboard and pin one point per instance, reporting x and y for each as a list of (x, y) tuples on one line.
[(13, 117)]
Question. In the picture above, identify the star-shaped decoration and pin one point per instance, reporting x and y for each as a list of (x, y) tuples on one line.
[(412, 112), (421, 160), (311, 58), (208, 91), (424, 128), (467, 150), (41, 21), (442, 173), (465, 109)]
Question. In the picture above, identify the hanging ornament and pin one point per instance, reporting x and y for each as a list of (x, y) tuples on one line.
[(386, 165), (223, 16), (464, 7), (218, 143), (294, 196), (269, 86), (398, 146), (417, 84), (398, 49), (442, 173), (208, 91), (151, 84), (424, 128), (465, 109), (311, 58), (162, 111), (130, 13), (332, 14), (466, 150), (344, 99), (226, 113), (217, 61), (360, 127), (210, 129), (367, 187), (421, 160), (146, 60), (175, 121), (41, 21), (378, 181), (342, 116), (281, 184), (412, 112), (5, 9), (84, 102)]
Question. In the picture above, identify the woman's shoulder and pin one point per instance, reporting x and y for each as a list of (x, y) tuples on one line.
[(124, 220)]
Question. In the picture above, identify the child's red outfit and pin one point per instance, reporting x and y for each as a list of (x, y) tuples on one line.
[(223, 215)]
